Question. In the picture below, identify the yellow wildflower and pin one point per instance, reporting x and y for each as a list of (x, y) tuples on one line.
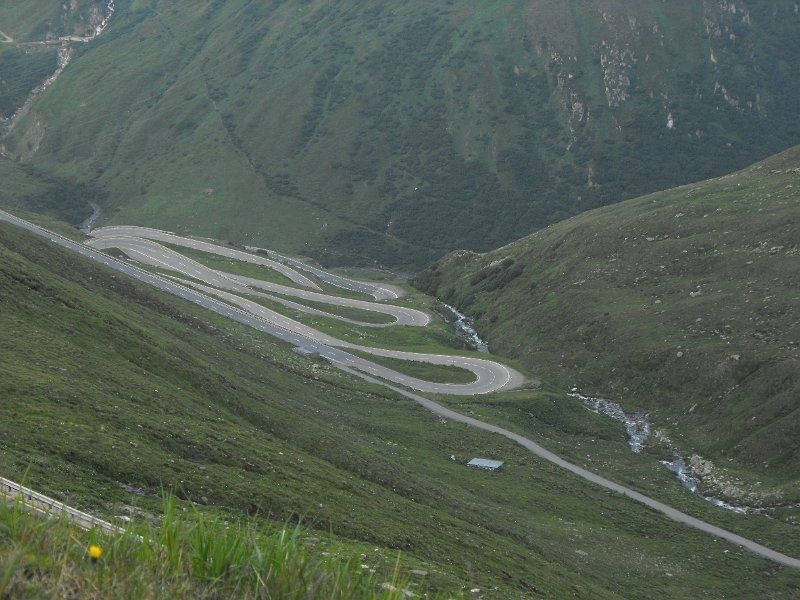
[(94, 552)]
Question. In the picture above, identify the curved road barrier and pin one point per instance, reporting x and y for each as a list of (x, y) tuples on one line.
[(39, 504)]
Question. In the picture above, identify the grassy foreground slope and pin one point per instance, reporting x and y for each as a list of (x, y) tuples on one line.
[(683, 303), (111, 391), (362, 131), (187, 555)]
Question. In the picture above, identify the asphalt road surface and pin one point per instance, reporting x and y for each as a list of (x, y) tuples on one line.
[(349, 364), (146, 233), (279, 263), (490, 376), (378, 291), (154, 254)]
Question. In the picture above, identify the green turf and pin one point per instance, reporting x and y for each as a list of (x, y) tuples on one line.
[(426, 371), (191, 554), (28, 189), (231, 265), (36, 21), (357, 314), (21, 72), (436, 338)]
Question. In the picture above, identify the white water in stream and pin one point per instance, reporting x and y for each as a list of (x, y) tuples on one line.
[(463, 324), (638, 429), (88, 224), (678, 467), (636, 425)]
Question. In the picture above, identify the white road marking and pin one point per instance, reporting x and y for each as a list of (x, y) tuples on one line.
[(490, 376)]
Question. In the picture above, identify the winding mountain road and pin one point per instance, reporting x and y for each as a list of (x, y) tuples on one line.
[(154, 254), (378, 291), (106, 235), (490, 376), (138, 243), (220, 301), (280, 263)]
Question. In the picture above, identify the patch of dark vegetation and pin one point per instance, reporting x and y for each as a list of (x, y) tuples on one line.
[(27, 187), (21, 70)]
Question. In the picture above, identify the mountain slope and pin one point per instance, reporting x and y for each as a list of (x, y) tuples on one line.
[(50, 20), (25, 187), (682, 303), (362, 131), (112, 392)]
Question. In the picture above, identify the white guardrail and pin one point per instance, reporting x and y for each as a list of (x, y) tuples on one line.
[(39, 504)]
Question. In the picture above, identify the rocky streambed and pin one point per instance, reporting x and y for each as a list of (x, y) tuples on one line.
[(636, 425), (88, 224), (65, 53), (639, 430), (464, 326)]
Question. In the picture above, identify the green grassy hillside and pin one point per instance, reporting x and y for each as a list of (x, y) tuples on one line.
[(44, 20), (21, 70), (112, 392), (683, 303), (27, 188), (367, 131)]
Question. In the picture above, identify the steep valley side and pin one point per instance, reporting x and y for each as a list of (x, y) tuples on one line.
[(683, 304)]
